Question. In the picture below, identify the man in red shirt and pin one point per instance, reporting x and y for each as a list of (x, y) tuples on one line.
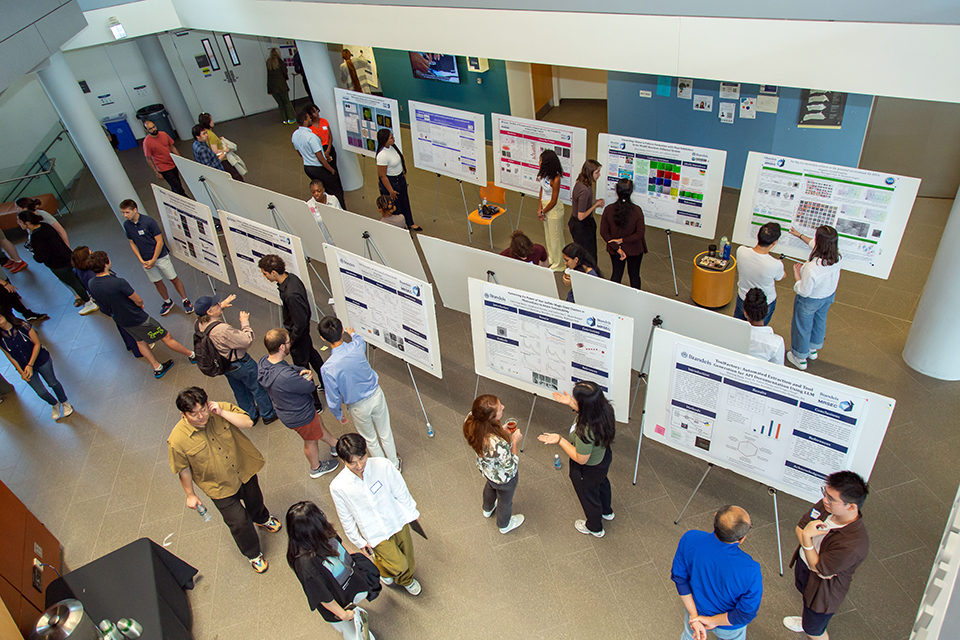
[(157, 147)]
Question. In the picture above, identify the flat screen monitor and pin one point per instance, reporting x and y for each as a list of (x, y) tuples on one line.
[(434, 66)]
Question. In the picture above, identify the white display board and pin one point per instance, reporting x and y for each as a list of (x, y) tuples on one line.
[(248, 241), (868, 209), (449, 142), (517, 144), (643, 306), (360, 116), (219, 183), (451, 265), (390, 309), (395, 244), (784, 428), (542, 345), (191, 234), (677, 186)]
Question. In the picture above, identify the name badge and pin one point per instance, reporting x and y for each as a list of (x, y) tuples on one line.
[(376, 487), (814, 513), (140, 232)]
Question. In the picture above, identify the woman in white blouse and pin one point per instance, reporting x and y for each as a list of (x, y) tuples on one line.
[(816, 286), (391, 168)]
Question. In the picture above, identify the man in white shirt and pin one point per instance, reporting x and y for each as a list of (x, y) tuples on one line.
[(375, 509), (764, 343), (758, 268)]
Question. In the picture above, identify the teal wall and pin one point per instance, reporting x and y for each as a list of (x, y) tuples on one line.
[(397, 82)]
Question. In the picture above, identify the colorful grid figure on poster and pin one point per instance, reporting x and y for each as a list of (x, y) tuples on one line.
[(663, 178), (812, 214), (361, 116), (821, 189)]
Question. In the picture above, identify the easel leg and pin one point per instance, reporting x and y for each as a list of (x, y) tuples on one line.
[(314, 269), (519, 212), (656, 322), (633, 402), (414, 381), (676, 291), (636, 465), (776, 524), (709, 466), (212, 286), (437, 204), (529, 419), (476, 390)]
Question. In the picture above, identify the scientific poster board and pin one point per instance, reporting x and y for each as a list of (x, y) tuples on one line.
[(248, 241), (450, 142), (543, 345), (390, 309), (191, 234), (678, 317), (360, 116), (677, 186), (784, 428), (517, 144), (869, 210), (451, 265), (294, 216), (219, 184)]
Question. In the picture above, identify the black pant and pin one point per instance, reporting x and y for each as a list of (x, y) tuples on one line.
[(240, 511), (593, 490), (584, 233), (633, 269), (502, 494), (232, 170), (399, 184), (69, 278), (172, 177), (331, 181), (304, 355), (13, 301)]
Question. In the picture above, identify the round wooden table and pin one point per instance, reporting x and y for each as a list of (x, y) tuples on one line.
[(713, 288)]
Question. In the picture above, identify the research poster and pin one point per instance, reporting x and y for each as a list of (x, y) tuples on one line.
[(191, 235), (248, 241), (868, 209), (388, 308), (517, 145), (546, 345), (821, 109), (677, 186), (449, 142), (360, 116), (785, 428)]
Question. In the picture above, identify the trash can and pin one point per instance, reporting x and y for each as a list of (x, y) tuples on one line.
[(158, 115), (119, 127)]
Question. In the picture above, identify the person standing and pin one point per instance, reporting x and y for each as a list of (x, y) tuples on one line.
[(207, 447), (764, 343), (720, 585), (355, 74), (33, 205), (233, 344), (159, 149), (202, 152), (589, 453), (320, 126), (146, 242), (549, 208), (315, 163), (757, 268), (622, 228), (298, 70), (497, 460), (582, 224), (392, 169), (319, 195), (375, 509), (219, 147), (830, 550), (79, 259), (349, 380), (21, 344), (292, 390), (277, 85), (816, 287)]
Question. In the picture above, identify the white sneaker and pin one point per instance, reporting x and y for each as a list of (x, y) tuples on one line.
[(55, 411), (515, 521), (414, 588), (812, 355), (608, 516), (487, 514), (797, 362), (386, 581), (581, 526), (89, 308), (67, 409), (794, 623)]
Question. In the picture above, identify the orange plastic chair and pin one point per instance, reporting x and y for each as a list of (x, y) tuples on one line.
[(495, 196)]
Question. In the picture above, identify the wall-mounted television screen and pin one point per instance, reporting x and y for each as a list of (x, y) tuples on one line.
[(434, 66)]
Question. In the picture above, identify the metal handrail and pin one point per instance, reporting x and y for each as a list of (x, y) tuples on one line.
[(33, 175)]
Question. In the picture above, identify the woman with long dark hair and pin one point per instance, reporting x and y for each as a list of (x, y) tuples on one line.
[(333, 580), (577, 258), (21, 344), (816, 287), (622, 228), (550, 209), (277, 86), (589, 452), (497, 460), (217, 145), (33, 205), (50, 250), (583, 226), (391, 168)]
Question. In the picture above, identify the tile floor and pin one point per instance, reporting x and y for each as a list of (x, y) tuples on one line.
[(100, 478)]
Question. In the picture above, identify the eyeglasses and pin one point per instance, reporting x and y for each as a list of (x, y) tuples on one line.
[(827, 498), (199, 413)]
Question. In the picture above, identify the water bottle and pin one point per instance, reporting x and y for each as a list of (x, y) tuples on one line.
[(726, 247), (484, 202), (429, 430), (108, 631), (202, 510), (129, 627), (556, 461)]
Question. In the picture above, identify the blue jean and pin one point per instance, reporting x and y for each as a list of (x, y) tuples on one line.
[(723, 633), (45, 371), (247, 390), (738, 310), (809, 324)]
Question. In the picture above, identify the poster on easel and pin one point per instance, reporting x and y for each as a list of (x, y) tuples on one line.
[(360, 116), (390, 309), (191, 234), (449, 142), (677, 186)]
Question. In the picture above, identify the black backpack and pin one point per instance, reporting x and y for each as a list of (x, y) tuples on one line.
[(209, 360)]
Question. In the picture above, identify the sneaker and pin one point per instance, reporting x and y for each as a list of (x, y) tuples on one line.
[(166, 308), (55, 412), (581, 526), (259, 564), (325, 467), (158, 373), (269, 420), (515, 521), (18, 267), (333, 452), (794, 623), (89, 307), (487, 514), (77, 302), (414, 588), (272, 525), (193, 357), (797, 362), (67, 409), (608, 516), (9, 264), (33, 316), (187, 306), (812, 355), (386, 581)]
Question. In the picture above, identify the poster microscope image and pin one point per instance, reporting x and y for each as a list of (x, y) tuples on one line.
[(361, 115)]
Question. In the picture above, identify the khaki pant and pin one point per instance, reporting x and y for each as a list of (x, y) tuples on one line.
[(553, 229), (394, 557)]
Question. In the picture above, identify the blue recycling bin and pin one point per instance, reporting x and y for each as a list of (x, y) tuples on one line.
[(119, 127)]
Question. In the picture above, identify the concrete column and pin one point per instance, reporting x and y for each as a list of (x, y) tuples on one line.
[(933, 345), (64, 92), (322, 78), (166, 82)]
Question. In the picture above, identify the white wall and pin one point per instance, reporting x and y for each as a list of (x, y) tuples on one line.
[(581, 83)]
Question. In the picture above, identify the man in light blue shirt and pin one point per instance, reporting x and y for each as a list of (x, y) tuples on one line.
[(349, 380)]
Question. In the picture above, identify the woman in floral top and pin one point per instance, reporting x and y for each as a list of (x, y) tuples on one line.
[(497, 459)]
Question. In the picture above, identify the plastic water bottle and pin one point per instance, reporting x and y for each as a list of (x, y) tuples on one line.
[(108, 631), (129, 627), (202, 510), (556, 462), (484, 202), (429, 430), (726, 247)]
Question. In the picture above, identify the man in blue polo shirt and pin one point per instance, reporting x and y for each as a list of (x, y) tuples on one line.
[(720, 584), (146, 240)]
